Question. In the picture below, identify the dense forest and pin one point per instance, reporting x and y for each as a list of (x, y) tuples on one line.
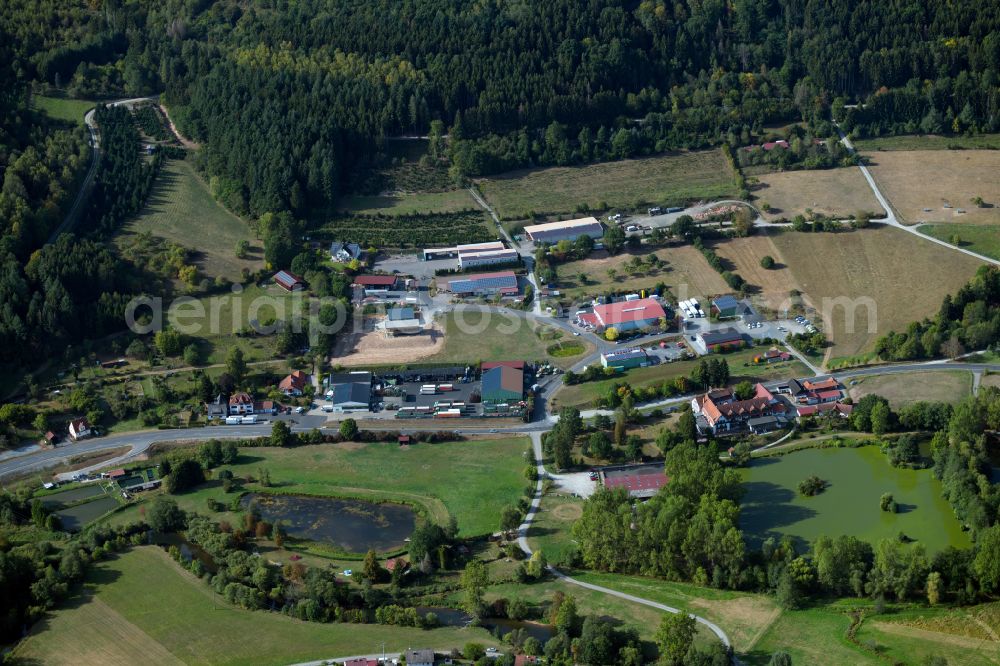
[(290, 97)]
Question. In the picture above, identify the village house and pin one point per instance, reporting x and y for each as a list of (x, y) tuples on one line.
[(240, 404), (217, 409), (79, 429), (294, 384), (344, 252)]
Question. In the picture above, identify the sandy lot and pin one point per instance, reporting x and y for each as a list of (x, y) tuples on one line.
[(902, 390), (913, 180), (372, 347), (834, 192)]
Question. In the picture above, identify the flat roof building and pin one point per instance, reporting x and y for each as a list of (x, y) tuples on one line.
[(553, 232), (727, 338), (625, 358), (485, 284)]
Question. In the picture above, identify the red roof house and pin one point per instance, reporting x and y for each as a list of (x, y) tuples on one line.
[(383, 282), (396, 562), (294, 383), (240, 404), (723, 412)]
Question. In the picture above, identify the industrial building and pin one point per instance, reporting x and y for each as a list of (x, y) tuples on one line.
[(485, 284), (553, 232), (721, 340), (626, 315), (624, 359), (350, 391), (472, 255), (503, 385), (726, 306)]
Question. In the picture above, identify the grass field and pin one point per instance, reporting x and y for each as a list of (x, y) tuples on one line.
[(744, 617), (402, 203), (62, 108), (980, 238), (683, 269), (833, 192), (919, 183), (857, 478), (142, 608), (928, 142), (583, 395), (880, 269), (181, 210), (474, 335), (673, 178), (902, 390), (550, 529), (472, 480)]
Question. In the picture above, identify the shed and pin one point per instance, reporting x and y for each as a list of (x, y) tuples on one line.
[(289, 281), (726, 306)]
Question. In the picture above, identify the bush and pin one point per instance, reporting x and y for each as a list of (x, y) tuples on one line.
[(767, 261), (812, 486)]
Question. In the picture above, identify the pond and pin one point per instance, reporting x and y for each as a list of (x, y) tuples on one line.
[(70, 496), (856, 479), (351, 525), (74, 518)]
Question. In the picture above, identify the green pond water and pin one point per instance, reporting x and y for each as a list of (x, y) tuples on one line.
[(857, 478)]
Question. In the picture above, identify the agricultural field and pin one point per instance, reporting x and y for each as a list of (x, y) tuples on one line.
[(411, 230), (115, 623), (881, 272), (63, 108), (408, 203), (832, 192), (181, 210), (928, 142), (473, 335), (980, 238), (901, 390), (668, 179), (682, 268), (472, 480), (583, 395), (857, 478), (920, 183)]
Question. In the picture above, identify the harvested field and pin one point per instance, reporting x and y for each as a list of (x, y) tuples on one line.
[(833, 192), (906, 389), (744, 255), (683, 269), (915, 180), (668, 179), (879, 272), (372, 347)]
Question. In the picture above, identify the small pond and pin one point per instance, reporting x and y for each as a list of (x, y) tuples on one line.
[(74, 518), (70, 496), (351, 525), (857, 478)]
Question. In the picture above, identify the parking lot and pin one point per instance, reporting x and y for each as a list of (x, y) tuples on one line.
[(411, 264)]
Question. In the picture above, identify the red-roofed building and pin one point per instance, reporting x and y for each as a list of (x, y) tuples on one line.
[(240, 404), (396, 562), (294, 383), (361, 661), (641, 481), (377, 284), (722, 412), (79, 429), (289, 281), (839, 408), (114, 474), (525, 660), (771, 145), (629, 315)]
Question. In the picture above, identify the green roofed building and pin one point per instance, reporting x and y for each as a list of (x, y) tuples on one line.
[(503, 384)]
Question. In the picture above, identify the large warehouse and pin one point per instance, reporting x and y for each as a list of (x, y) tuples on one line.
[(553, 232), (627, 315), (485, 284)]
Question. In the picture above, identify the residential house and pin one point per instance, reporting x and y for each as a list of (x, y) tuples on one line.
[(294, 384), (423, 657), (79, 429), (839, 408), (344, 252), (240, 404), (377, 285), (265, 407), (289, 281), (774, 356), (217, 409), (720, 411)]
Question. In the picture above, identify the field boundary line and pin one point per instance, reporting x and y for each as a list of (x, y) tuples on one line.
[(775, 615)]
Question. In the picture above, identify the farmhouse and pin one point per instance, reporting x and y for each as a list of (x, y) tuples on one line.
[(344, 252), (419, 657), (721, 340), (350, 391), (79, 429), (808, 392), (503, 384), (773, 356), (641, 481), (289, 281), (553, 232), (837, 407), (485, 284), (726, 306), (293, 384), (627, 315), (376, 285), (240, 404), (719, 411), (625, 358)]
